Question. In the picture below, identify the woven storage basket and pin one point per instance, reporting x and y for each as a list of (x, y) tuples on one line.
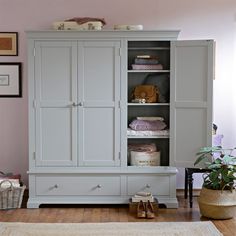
[(217, 204), (11, 197)]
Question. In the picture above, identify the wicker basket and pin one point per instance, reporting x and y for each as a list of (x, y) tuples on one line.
[(11, 197), (217, 204)]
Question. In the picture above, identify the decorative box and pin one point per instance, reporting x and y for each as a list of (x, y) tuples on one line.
[(145, 158), (73, 25), (128, 27)]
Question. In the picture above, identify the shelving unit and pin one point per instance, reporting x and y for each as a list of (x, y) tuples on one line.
[(161, 51)]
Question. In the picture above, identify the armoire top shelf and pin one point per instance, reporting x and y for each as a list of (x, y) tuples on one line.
[(149, 48), (148, 136), (148, 104), (148, 71)]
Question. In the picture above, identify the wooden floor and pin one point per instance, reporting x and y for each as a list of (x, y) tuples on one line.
[(110, 213)]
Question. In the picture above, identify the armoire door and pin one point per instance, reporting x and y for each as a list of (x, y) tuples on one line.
[(191, 88), (55, 93), (99, 97)]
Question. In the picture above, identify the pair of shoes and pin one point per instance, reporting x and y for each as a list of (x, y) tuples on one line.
[(150, 210), (145, 210), (141, 210)]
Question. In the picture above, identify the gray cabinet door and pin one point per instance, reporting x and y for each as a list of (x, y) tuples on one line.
[(99, 96), (55, 91), (191, 100)]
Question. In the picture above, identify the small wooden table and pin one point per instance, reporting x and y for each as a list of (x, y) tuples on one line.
[(189, 182)]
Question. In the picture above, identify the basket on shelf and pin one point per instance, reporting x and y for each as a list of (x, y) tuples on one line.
[(11, 197)]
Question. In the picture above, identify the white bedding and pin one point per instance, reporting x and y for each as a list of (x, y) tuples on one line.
[(131, 132)]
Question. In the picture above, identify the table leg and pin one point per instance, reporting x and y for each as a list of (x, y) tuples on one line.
[(186, 184), (190, 184)]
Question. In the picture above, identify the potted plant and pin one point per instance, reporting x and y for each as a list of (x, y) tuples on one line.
[(217, 198)]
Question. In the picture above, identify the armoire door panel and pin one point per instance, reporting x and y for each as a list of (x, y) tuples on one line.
[(191, 73), (99, 146), (100, 64), (55, 72), (190, 100), (193, 133), (55, 92), (99, 93), (56, 139)]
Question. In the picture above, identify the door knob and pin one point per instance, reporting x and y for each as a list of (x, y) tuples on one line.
[(148, 186), (77, 104)]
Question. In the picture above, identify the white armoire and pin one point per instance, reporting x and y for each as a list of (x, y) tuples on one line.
[(80, 83)]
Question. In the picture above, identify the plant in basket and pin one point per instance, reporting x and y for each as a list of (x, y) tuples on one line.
[(217, 198)]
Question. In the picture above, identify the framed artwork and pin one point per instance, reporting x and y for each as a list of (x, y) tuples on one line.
[(8, 43), (10, 79)]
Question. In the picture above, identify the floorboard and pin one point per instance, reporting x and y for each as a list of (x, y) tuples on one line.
[(111, 213)]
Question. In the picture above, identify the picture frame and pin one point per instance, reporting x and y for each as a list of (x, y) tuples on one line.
[(8, 44), (10, 79)]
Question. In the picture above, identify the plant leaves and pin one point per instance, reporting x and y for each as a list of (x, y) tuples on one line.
[(214, 166), (227, 159), (200, 159)]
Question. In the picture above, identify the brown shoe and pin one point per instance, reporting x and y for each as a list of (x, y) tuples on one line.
[(150, 210), (141, 211)]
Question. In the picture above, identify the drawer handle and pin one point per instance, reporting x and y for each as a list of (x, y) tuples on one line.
[(148, 186), (99, 186), (56, 186)]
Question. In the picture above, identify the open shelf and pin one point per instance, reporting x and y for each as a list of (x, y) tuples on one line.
[(148, 71), (148, 137), (149, 48), (148, 104)]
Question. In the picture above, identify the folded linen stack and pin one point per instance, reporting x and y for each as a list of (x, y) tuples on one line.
[(146, 62), (147, 124), (143, 196), (9, 179), (6, 183), (80, 23)]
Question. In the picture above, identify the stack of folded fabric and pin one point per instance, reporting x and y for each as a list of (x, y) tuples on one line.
[(147, 126), (143, 196), (146, 62), (80, 23), (6, 179)]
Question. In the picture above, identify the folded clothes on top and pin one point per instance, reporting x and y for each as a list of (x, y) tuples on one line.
[(82, 20), (145, 61)]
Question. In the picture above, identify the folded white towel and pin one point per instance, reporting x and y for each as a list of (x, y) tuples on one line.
[(6, 183)]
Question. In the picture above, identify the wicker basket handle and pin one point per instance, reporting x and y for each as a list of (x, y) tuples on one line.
[(3, 174), (4, 181)]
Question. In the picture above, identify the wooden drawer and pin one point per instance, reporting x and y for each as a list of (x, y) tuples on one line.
[(157, 185), (77, 185)]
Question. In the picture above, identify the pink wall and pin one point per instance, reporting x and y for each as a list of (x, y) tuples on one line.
[(214, 19)]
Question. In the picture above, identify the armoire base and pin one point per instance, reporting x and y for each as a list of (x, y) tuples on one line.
[(36, 202)]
